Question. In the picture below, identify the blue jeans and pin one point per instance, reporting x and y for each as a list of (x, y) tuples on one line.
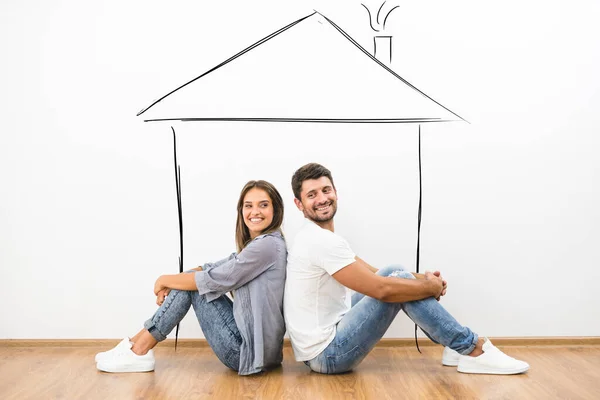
[(216, 320), (365, 324)]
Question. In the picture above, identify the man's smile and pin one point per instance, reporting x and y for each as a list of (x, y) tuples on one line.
[(323, 208)]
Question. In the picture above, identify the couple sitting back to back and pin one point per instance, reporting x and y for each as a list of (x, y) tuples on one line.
[(331, 329)]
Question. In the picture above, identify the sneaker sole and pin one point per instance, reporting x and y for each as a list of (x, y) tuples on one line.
[(449, 363), (490, 371), (137, 367), (102, 357)]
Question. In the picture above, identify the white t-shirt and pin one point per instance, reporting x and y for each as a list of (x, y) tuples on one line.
[(314, 302)]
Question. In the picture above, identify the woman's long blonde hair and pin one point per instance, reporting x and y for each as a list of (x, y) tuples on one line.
[(242, 234)]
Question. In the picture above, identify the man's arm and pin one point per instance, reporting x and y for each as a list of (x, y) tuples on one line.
[(359, 277), (374, 270), (369, 266), (415, 274)]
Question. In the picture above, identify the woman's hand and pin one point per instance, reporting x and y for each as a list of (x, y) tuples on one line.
[(178, 281), (159, 285), (160, 297)]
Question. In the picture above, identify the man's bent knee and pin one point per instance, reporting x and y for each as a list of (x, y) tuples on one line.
[(397, 271)]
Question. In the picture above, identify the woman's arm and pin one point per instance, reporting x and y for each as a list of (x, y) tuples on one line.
[(256, 258), (211, 265), (179, 281), (252, 261)]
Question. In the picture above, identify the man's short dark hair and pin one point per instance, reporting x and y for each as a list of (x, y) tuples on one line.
[(309, 171)]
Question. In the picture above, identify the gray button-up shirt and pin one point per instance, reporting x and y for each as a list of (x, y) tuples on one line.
[(257, 277)]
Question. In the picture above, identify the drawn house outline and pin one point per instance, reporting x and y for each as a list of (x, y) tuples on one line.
[(411, 94), (428, 109)]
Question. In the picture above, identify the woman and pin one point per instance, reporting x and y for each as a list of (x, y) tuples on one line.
[(246, 334)]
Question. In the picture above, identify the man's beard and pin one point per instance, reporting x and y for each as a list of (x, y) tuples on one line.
[(314, 216)]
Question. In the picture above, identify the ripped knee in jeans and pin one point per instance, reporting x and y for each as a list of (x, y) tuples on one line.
[(400, 273)]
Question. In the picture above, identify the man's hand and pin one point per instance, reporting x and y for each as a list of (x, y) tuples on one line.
[(160, 297), (444, 284), (437, 284)]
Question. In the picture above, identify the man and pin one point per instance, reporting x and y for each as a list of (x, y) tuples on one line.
[(332, 331)]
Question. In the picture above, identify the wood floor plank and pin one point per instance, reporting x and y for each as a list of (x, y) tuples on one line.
[(557, 372)]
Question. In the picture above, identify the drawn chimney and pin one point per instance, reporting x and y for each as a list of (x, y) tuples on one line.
[(382, 44), (382, 49)]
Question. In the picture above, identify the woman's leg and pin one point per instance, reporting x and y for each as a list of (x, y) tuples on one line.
[(368, 320), (135, 355), (219, 328), (143, 342), (215, 318), (168, 315)]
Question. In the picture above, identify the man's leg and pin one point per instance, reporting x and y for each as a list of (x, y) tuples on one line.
[(368, 320)]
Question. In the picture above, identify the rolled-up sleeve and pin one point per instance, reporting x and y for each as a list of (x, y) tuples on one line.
[(256, 258), (209, 266)]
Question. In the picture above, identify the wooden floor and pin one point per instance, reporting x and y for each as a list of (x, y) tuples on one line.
[(557, 372)]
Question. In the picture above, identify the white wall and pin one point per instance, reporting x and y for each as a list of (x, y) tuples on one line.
[(87, 204)]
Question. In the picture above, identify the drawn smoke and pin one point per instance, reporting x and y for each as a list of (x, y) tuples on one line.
[(382, 44)]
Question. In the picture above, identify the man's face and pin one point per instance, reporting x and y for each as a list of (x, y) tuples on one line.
[(318, 199)]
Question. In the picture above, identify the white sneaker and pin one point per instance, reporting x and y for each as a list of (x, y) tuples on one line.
[(450, 357), (122, 359), (492, 361), (107, 354)]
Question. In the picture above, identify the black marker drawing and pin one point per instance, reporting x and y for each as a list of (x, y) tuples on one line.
[(179, 213), (211, 96), (208, 97), (380, 20), (381, 41)]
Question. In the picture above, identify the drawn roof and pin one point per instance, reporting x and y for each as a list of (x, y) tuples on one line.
[(308, 71)]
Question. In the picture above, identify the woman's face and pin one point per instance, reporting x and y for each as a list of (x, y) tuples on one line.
[(257, 211)]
